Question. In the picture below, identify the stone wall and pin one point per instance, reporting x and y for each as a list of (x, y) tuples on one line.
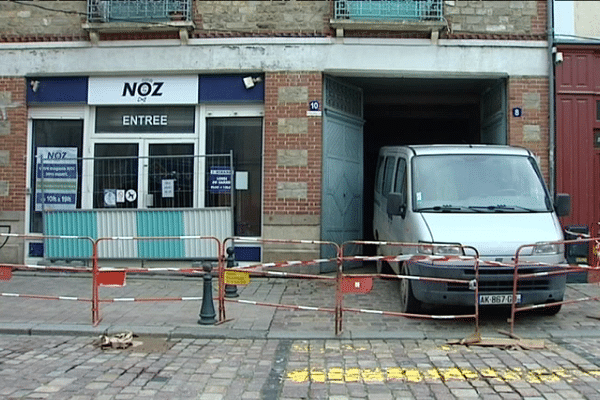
[(42, 18), (493, 17), (274, 16)]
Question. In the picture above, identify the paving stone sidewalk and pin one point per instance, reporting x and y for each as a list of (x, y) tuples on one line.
[(180, 318)]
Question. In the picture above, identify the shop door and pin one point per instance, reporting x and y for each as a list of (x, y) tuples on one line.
[(143, 174)]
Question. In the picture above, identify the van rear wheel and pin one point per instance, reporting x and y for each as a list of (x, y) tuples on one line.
[(408, 302)]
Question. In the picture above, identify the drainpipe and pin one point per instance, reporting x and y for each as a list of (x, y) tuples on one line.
[(551, 101)]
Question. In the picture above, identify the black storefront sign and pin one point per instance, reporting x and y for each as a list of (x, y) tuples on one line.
[(145, 119)]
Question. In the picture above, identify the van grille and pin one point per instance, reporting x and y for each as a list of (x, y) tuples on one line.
[(502, 280), (504, 286)]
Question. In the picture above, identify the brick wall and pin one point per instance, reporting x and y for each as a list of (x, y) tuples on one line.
[(292, 161), (531, 130), (13, 147), (292, 144), (13, 144)]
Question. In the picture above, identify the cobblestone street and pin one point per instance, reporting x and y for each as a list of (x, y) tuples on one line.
[(48, 348), (64, 367)]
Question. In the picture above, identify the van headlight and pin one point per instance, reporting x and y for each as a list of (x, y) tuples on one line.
[(441, 249), (546, 248)]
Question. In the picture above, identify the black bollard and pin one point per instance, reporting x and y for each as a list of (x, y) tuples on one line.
[(207, 310), (230, 290)]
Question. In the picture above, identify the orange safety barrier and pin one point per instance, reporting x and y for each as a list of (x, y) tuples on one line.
[(345, 283), (560, 269), (116, 276), (6, 270), (257, 269), (410, 256), (101, 276)]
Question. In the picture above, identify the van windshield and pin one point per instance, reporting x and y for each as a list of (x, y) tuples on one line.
[(478, 183)]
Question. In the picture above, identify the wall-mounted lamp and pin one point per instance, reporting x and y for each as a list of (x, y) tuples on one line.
[(250, 81), (35, 85)]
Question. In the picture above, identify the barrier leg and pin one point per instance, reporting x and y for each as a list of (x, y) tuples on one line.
[(95, 301), (338, 298), (207, 310)]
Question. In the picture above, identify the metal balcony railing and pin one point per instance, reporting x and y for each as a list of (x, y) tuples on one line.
[(395, 10), (141, 11)]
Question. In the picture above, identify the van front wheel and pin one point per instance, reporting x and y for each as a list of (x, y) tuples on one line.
[(408, 303)]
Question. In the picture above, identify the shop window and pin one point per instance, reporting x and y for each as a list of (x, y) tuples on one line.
[(55, 179), (243, 137)]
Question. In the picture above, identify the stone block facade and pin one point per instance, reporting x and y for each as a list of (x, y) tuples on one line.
[(63, 20), (494, 17), (293, 137)]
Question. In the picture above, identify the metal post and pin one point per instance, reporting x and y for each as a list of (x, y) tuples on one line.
[(231, 290), (207, 310), (95, 294)]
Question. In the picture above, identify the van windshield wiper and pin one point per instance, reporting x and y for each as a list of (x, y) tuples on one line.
[(442, 208), (501, 208)]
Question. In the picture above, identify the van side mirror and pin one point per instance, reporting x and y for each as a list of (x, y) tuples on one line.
[(562, 204), (396, 204)]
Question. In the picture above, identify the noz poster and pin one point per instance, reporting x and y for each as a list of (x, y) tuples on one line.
[(56, 178)]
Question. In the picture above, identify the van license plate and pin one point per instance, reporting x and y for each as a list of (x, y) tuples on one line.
[(491, 299)]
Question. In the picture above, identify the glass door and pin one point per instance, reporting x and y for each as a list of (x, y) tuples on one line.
[(144, 174), (170, 175), (243, 137), (116, 173)]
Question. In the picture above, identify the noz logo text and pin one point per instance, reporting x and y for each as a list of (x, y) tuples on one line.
[(142, 89)]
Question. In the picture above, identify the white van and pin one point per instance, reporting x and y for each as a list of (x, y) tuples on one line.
[(492, 198)]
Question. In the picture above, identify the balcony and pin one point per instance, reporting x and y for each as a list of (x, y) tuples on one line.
[(401, 15), (125, 15)]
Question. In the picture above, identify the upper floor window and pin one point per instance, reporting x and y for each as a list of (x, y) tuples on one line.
[(144, 11), (415, 10)]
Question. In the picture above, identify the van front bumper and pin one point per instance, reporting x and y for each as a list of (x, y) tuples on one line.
[(493, 280)]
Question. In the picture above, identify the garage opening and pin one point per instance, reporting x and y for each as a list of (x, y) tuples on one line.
[(400, 111)]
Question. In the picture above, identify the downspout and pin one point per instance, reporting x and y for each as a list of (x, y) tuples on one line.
[(551, 101)]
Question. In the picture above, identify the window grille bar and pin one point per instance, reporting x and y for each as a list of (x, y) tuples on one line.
[(416, 10), (139, 10)]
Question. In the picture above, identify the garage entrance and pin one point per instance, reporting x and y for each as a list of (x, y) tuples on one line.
[(398, 111)]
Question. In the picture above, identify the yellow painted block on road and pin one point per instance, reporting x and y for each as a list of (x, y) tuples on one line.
[(237, 278)]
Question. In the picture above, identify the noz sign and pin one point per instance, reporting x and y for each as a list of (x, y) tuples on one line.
[(143, 90)]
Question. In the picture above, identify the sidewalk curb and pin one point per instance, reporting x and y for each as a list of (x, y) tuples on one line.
[(214, 332)]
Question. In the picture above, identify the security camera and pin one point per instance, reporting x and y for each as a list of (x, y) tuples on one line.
[(250, 81), (558, 58), (35, 86)]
